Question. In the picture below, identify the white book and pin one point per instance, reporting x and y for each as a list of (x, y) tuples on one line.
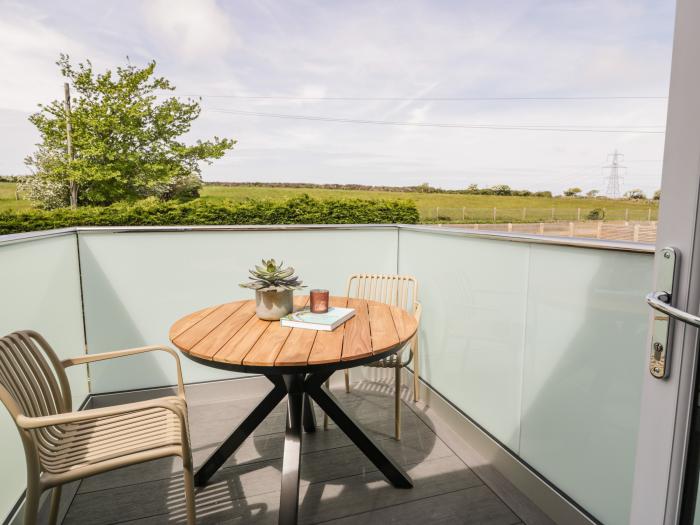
[(332, 319)]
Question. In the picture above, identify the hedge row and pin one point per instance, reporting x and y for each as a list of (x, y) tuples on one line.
[(298, 210)]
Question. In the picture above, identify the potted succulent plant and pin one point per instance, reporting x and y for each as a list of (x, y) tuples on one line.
[(274, 287)]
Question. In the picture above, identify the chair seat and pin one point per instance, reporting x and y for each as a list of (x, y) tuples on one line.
[(90, 442)]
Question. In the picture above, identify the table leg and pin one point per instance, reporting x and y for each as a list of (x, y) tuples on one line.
[(245, 429), (309, 418), (289, 496), (327, 401)]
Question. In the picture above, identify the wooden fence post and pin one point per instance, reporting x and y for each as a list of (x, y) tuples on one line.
[(636, 233), (578, 214), (599, 234), (510, 227), (494, 214), (571, 229), (541, 228), (463, 213)]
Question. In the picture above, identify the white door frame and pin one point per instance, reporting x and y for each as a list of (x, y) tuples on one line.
[(667, 403)]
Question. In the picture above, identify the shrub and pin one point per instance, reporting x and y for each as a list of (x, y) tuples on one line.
[(48, 194), (152, 212), (635, 194), (596, 214)]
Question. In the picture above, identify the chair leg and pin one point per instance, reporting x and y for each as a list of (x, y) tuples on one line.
[(188, 475), (416, 372), (347, 381), (55, 504), (31, 502), (397, 403), (325, 416)]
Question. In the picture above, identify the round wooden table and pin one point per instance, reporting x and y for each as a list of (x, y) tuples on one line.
[(297, 362)]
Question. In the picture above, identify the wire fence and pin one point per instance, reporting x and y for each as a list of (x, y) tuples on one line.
[(640, 231), (528, 215)]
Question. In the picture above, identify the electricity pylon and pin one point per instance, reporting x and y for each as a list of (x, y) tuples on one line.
[(614, 178)]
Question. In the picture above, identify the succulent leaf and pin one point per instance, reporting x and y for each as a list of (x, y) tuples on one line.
[(272, 276)]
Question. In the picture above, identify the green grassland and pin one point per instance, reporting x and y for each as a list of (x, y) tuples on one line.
[(434, 207), (449, 206), (8, 198)]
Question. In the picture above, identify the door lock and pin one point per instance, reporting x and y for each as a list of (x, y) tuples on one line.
[(660, 301)]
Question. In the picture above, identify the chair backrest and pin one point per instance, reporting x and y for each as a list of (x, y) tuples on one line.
[(32, 375), (396, 290)]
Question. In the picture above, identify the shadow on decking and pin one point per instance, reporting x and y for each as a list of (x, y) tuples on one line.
[(337, 482)]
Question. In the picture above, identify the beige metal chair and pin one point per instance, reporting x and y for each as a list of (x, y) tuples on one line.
[(60, 445), (396, 290)]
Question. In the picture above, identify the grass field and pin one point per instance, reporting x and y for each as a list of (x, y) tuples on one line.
[(8, 198), (434, 207), (451, 207)]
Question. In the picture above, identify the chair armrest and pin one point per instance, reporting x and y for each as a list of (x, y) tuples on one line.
[(174, 404), (91, 358)]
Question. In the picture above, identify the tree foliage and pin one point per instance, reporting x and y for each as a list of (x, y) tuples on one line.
[(596, 214), (635, 194), (572, 192), (126, 138)]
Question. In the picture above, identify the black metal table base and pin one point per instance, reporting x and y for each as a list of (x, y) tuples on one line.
[(300, 389)]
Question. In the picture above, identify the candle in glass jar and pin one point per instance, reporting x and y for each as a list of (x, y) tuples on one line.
[(319, 301)]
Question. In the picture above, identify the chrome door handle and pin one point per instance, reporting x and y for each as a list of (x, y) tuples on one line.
[(660, 301), (666, 264)]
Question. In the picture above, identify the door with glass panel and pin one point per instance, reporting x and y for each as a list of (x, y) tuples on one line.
[(665, 483)]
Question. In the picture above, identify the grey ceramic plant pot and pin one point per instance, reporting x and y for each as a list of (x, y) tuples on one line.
[(272, 306)]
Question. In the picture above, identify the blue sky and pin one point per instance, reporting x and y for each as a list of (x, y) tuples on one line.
[(408, 49)]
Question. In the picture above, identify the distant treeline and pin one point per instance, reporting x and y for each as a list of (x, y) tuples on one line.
[(12, 178), (473, 189)]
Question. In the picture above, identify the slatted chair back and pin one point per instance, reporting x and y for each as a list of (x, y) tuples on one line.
[(33, 383), (396, 290)]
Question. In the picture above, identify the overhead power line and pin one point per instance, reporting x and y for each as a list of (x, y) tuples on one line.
[(628, 129), (426, 99)]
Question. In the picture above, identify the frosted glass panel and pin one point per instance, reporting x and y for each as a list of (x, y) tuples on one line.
[(544, 347), (473, 293), (41, 291), (584, 364), (138, 284)]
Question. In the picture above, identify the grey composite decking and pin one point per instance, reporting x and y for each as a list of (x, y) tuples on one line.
[(339, 485)]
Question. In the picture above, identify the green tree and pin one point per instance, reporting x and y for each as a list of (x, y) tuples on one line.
[(572, 192), (657, 195), (126, 139), (501, 189), (635, 194), (592, 193)]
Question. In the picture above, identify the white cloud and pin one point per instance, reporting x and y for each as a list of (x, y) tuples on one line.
[(197, 30), (415, 48), (30, 48)]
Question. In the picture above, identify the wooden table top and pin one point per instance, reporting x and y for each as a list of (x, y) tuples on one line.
[(231, 334)]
